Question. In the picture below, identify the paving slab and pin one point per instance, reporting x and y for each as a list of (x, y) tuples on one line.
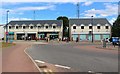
[(15, 60)]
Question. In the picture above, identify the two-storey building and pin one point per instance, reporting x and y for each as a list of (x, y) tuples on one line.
[(87, 29), (1, 31), (40, 29)]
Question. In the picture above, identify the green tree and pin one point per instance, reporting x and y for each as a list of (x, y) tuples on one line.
[(116, 28), (65, 25)]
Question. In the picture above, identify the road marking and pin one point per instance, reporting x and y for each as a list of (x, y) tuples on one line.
[(62, 66), (48, 71), (51, 71), (39, 61)]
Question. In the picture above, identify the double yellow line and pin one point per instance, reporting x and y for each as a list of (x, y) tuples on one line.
[(48, 71)]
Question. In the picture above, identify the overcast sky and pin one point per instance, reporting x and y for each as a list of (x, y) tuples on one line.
[(49, 10)]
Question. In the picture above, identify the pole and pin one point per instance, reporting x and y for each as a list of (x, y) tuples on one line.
[(78, 11), (92, 28), (7, 27)]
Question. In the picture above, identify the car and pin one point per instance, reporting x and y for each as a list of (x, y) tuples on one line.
[(65, 38), (115, 40)]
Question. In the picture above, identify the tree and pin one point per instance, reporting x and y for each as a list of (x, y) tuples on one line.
[(116, 28), (65, 25)]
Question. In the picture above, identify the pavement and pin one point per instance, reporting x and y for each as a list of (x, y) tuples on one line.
[(15, 60)]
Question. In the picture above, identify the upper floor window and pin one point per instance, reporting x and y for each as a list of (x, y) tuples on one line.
[(98, 27), (54, 27), (10, 27), (16, 27), (74, 27), (39, 26), (24, 27), (46, 27), (82, 27), (31, 27), (90, 27), (107, 27)]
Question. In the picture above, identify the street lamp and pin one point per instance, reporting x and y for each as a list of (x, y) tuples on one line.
[(7, 26), (92, 27)]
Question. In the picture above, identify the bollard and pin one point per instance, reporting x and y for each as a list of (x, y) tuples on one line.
[(104, 43)]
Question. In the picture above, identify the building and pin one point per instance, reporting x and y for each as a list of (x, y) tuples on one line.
[(33, 29), (82, 29), (1, 31)]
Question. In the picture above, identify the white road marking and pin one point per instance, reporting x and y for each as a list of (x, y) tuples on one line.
[(50, 71), (62, 66), (39, 61), (45, 70)]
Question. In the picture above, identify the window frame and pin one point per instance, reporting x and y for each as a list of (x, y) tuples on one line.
[(54, 27), (10, 27), (46, 27), (106, 27), (31, 27), (24, 27), (90, 27), (74, 27), (98, 27), (82, 27), (16, 27)]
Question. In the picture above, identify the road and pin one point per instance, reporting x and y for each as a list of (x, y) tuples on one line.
[(79, 59)]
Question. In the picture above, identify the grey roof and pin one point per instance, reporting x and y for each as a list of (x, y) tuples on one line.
[(35, 22), (87, 21)]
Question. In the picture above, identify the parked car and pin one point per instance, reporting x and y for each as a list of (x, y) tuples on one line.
[(65, 38), (115, 40)]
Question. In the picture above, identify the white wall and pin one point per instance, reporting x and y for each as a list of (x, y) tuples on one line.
[(86, 30), (1, 32)]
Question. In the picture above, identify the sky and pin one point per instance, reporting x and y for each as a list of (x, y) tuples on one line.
[(50, 10)]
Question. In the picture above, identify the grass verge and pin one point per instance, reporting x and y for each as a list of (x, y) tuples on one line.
[(4, 44)]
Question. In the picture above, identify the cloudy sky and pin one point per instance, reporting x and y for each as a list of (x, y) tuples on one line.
[(49, 10)]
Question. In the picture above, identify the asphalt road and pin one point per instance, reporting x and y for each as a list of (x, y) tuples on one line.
[(76, 58)]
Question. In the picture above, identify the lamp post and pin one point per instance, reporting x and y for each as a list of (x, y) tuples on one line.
[(7, 26), (92, 27)]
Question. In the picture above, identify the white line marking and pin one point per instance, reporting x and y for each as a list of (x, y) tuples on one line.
[(62, 66), (50, 71), (45, 70), (39, 61)]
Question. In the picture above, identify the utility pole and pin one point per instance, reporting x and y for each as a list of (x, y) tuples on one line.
[(78, 11), (92, 27), (7, 26)]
